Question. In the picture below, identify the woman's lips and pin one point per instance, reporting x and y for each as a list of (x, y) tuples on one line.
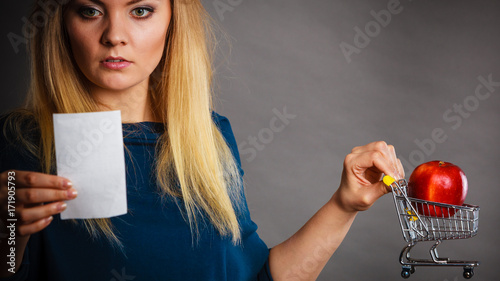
[(115, 63)]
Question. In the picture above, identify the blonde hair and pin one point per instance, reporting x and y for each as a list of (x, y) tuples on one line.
[(191, 153)]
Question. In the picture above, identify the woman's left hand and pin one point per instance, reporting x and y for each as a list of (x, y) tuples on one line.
[(361, 182)]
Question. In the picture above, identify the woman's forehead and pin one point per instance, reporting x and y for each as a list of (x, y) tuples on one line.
[(118, 2)]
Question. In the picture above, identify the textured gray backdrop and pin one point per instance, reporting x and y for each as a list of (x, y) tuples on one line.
[(308, 80)]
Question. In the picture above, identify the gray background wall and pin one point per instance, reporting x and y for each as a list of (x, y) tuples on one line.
[(398, 86)]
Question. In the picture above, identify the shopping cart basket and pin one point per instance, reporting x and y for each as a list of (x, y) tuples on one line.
[(422, 220)]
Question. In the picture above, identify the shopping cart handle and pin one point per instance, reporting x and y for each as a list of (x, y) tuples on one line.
[(388, 180)]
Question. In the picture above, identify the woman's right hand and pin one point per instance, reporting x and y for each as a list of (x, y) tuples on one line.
[(37, 197)]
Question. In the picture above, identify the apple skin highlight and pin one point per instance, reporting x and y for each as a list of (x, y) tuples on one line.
[(438, 181)]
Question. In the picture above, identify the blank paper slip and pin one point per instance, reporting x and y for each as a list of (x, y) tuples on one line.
[(89, 152)]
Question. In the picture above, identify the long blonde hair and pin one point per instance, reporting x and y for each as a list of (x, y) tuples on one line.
[(191, 154)]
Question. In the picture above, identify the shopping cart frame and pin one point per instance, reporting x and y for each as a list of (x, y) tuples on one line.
[(422, 220)]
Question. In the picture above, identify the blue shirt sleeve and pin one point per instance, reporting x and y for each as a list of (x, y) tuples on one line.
[(225, 127), (265, 272)]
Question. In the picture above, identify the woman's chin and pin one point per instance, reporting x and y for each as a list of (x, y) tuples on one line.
[(118, 86)]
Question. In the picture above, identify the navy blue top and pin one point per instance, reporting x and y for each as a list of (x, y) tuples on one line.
[(157, 240)]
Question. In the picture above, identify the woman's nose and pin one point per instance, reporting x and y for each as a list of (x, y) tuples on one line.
[(115, 31)]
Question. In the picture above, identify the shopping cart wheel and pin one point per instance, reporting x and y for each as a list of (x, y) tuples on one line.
[(407, 271), (468, 272)]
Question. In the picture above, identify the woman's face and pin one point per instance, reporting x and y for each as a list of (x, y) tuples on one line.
[(117, 43)]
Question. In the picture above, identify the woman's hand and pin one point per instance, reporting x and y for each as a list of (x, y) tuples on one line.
[(361, 182), (37, 198)]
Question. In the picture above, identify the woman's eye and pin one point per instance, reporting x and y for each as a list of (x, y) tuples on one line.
[(89, 12), (141, 12)]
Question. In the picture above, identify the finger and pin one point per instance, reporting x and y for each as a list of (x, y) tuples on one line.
[(28, 229), (401, 169), (387, 150), (34, 179), (374, 160), (357, 149), (42, 195), (380, 146), (377, 145), (394, 161), (30, 215)]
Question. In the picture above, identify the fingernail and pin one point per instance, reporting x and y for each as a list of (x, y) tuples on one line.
[(61, 207), (67, 184), (48, 219), (72, 193)]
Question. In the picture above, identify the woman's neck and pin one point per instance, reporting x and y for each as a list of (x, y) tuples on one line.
[(134, 104)]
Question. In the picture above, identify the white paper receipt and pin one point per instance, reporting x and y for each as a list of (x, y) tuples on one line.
[(89, 152)]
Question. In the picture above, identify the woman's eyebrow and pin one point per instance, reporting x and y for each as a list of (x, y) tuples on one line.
[(133, 2), (99, 2), (137, 1)]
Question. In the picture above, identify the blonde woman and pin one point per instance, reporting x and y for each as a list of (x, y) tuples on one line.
[(188, 218)]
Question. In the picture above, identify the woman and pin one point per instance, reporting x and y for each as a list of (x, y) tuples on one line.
[(188, 218)]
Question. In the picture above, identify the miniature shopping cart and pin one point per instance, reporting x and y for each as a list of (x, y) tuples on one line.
[(429, 221)]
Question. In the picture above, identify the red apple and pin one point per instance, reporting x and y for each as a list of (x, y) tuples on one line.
[(438, 181)]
